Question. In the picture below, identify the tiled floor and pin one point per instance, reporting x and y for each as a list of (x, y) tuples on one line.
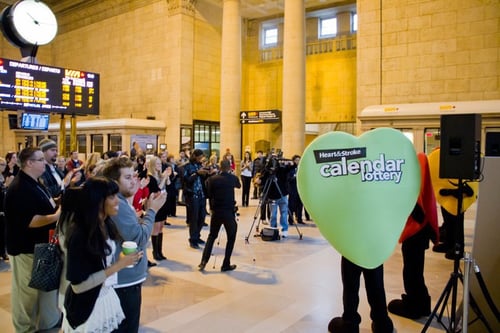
[(292, 285)]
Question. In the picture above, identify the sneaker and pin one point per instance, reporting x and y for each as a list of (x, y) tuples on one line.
[(284, 234)]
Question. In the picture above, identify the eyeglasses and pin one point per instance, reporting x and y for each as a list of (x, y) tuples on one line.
[(41, 159)]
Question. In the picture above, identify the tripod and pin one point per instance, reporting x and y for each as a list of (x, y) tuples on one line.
[(456, 275), (263, 201)]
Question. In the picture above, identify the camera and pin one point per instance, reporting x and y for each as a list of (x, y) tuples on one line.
[(273, 160)]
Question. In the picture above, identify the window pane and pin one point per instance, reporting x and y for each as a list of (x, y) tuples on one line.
[(97, 143), (355, 22), (67, 144), (82, 143), (271, 36), (328, 27), (115, 142)]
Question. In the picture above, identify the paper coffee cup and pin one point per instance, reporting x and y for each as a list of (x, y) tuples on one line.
[(129, 247)]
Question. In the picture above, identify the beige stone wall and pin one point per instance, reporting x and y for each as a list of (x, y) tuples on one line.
[(331, 87), (431, 51), (207, 71)]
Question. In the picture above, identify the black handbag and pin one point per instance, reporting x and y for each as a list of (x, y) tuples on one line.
[(47, 265)]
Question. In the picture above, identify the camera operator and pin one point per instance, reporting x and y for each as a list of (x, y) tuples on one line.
[(276, 171), (220, 191)]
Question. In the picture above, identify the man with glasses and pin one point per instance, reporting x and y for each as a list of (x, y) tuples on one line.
[(30, 213)]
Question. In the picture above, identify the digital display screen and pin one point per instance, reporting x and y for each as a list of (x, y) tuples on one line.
[(35, 121), (41, 88)]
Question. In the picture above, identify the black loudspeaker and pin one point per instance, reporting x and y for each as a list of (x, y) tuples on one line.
[(492, 144), (460, 146)]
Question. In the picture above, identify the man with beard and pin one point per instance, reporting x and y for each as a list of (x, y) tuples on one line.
[(53, 179)]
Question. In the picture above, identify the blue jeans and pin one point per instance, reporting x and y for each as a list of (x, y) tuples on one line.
[(282, 204)]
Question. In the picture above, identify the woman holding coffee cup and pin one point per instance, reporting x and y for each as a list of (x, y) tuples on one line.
[(90, 300)]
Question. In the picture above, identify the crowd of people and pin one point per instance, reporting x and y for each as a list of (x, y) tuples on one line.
[(96, 204)]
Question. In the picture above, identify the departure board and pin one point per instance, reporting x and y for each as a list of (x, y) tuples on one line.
[(41, 88)]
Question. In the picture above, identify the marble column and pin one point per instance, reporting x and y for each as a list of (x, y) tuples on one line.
[(179, 80), (294, 56), (230, 88)]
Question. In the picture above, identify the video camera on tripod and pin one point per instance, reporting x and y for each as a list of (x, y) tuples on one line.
[(274, 160)]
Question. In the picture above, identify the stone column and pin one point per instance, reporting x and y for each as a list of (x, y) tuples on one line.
[(293, 130), (230, 88), (180, 59)]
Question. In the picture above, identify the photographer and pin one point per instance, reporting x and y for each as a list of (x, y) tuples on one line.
[(220, 190), (276, 171)]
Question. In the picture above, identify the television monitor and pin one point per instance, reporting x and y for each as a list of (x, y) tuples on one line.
[(35, 121)]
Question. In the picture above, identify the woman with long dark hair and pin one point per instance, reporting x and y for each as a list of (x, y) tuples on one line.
[(91, 303), (246, 177)]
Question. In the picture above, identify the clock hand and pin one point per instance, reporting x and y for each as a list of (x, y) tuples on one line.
[(34, 20)]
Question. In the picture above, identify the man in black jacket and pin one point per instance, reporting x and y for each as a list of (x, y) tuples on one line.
[(53, 179), (220, 190)]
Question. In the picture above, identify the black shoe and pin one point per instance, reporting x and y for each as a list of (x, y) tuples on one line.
[(151, 264), (194, 245), (205, 224), (409, 308), (339, 325), (228, 268), (201, 266), (200, 241), (166, 223), (383, 326)]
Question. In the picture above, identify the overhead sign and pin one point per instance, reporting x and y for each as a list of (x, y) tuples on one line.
[(260, 117), (41, 88)]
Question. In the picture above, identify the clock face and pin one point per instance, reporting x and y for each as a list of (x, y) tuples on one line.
[(33, 22)]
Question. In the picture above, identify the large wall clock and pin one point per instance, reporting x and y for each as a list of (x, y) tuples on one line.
[(28, 23)]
